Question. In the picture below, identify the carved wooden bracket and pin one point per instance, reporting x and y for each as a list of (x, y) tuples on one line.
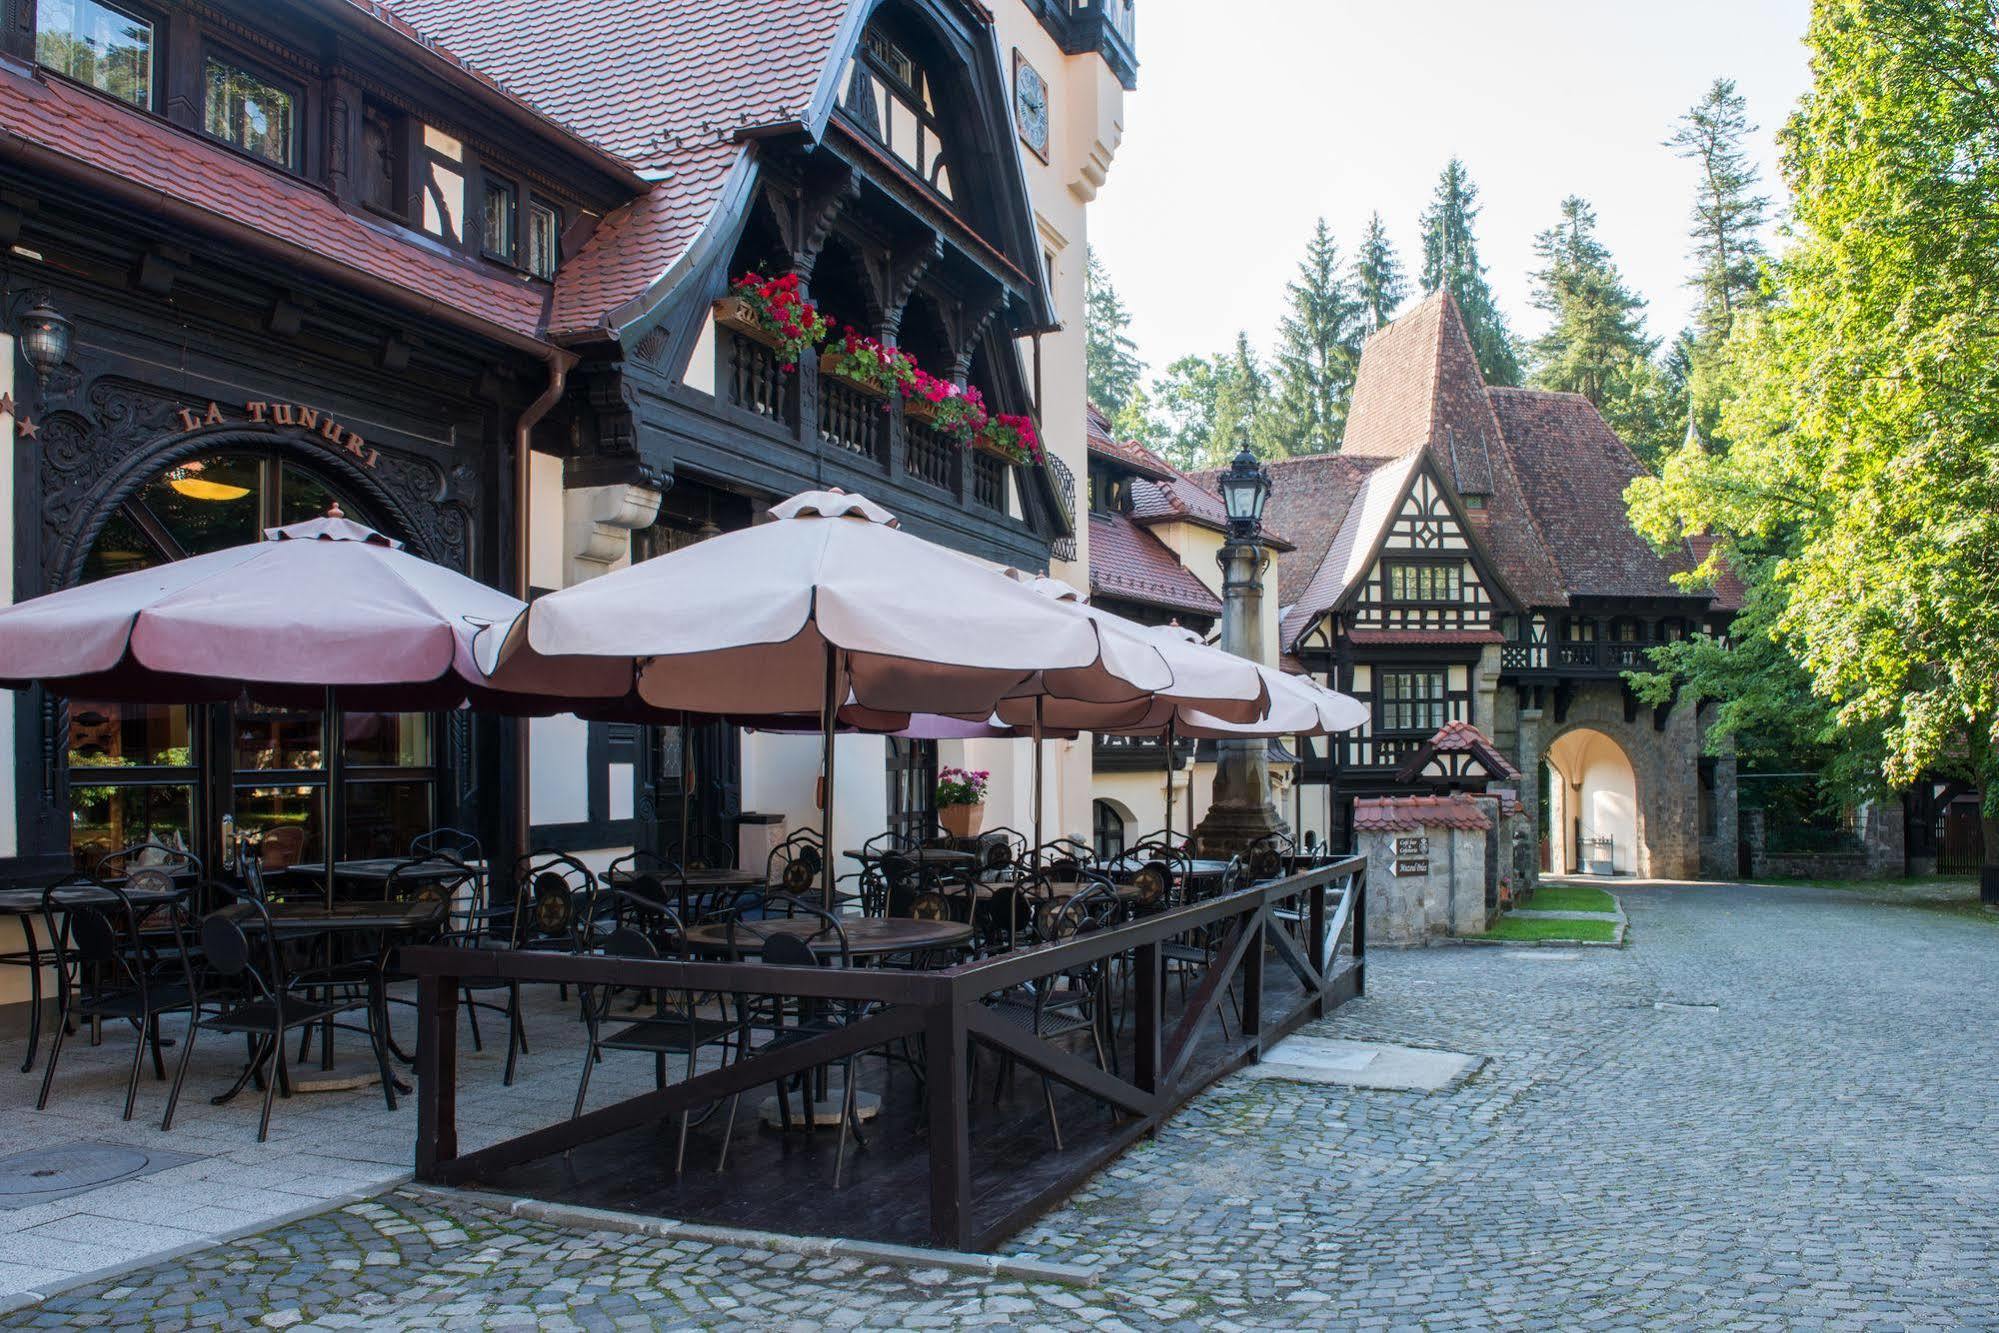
[(897, 273), (965, 323), (805, 213)]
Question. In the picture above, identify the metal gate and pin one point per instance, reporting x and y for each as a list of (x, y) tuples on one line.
[(1960, 839)]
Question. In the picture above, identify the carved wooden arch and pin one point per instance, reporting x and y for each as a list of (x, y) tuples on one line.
[(290, 444)]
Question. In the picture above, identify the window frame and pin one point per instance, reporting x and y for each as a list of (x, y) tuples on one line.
[(1452, 569), (525, 241), (1413, 702), (403, 188), (155, 75), (297, 89), (489, 178)]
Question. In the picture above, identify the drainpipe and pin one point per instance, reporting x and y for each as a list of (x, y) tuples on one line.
[(559, 364)]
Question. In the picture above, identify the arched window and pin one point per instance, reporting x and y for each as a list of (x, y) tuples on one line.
[(136, 770), (1108, 826), (893, 98)]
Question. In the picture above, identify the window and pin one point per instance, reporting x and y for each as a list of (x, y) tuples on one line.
[(1411, 701), (500, 202), (1108, 826), (544, 235), (383, 167), (93, 43), (1423, 583), (893, 99), (247, 110)]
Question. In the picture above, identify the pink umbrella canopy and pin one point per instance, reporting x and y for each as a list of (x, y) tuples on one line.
[(749, 622), (325, 605)]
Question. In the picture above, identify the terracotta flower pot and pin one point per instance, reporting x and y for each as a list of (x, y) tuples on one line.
[(961, 821)]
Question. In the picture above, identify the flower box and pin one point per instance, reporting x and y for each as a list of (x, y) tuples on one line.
[(732, 314), (919, 410), (827, 363)]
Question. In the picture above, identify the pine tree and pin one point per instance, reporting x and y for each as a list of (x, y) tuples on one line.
[(1110, 354), (1598, 324), (1209, 407), (1317, 350), (1728, 209), (1451, 262), (1378, 281)]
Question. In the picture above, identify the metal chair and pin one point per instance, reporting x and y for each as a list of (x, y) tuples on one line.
[(677, 1028), (779, 947), (107, 966), (703, 851), (454, 843), (258, 996), (471, 922)]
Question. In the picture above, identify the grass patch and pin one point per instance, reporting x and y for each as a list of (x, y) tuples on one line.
[(1569, 898), (1518, 928)]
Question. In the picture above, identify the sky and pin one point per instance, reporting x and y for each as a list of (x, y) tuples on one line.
[(1254, 118)]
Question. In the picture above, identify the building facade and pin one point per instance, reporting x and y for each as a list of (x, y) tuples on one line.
[(1466, 558), (455, 266)]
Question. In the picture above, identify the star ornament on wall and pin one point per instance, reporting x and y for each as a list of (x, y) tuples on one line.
[(26, 427)]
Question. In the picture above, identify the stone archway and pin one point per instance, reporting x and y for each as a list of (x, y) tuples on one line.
[(1595, 815)]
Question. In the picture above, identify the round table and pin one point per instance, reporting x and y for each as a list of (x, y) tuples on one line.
[(923, 856), (867, 936), (720, 877)]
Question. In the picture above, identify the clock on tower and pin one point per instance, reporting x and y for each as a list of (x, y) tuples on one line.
[(1030, 106)]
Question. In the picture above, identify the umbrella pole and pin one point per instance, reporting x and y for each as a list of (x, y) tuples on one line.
[(686, 784), (336, 779), (828, 718), (1298, 797), (1169, 786), (1037, 782)]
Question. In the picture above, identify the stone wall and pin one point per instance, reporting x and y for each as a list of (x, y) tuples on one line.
[(1665, 761), (1880, 855), (1446, 899)]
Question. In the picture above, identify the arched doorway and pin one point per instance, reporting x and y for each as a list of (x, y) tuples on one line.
[(174, 774), (1591, 799)]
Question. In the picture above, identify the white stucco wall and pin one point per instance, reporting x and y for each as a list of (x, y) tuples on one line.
[(1594, 783)]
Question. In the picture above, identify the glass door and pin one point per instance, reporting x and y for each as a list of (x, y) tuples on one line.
[(140, 772)]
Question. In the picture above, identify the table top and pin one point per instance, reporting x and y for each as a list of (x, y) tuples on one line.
[(866, 935), (18, 902), (716, 877), (379, 868), (354, 914), (923, 856)]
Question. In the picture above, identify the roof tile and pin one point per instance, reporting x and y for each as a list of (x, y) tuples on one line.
[(1127, 563), (1413, 814)]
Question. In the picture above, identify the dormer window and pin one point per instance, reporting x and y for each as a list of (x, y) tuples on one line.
[(99, 45), (247, 110), (892, 97), (1423, 583)]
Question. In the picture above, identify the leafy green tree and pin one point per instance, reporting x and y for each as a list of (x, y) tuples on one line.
[(1209, 407), (1111, 357), (1864, 407), (1451, 262), (1377, 280), (1729, 210), (1318, 348)]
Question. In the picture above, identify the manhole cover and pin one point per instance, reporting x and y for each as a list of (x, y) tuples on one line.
[(41, 1174)]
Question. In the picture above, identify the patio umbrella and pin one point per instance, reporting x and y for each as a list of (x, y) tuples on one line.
[(327, 613), (831, 602)]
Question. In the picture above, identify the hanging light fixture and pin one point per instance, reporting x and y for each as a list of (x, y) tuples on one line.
[(44, 335), (1245, 487)]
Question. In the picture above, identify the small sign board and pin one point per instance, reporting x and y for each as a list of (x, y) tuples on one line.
[(1412, 856)]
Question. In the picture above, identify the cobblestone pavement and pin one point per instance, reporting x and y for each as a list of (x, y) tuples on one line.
[(1815, 1150)]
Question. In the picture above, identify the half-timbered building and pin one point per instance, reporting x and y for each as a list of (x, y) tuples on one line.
[(455, 264), (1465, 560)]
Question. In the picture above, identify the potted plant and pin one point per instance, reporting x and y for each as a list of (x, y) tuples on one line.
[(961, 800), (771, 311), (950, 409), (1010, 437), (868, 365)]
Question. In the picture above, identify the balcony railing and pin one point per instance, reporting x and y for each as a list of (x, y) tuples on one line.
[(931, 457), (853, 420), (1602, 655), (1138, 753), (989, 482)]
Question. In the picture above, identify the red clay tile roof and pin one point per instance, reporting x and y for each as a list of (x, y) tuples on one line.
[(1128, 454), (1419, 386), (1413, 814), (1574, 470), (1127, 563), (668, 84), (1728, 587), (1309, 498), (1459, 737), (93, 135)]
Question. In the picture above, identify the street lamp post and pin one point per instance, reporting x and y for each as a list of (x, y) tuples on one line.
[(1241, 811)]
